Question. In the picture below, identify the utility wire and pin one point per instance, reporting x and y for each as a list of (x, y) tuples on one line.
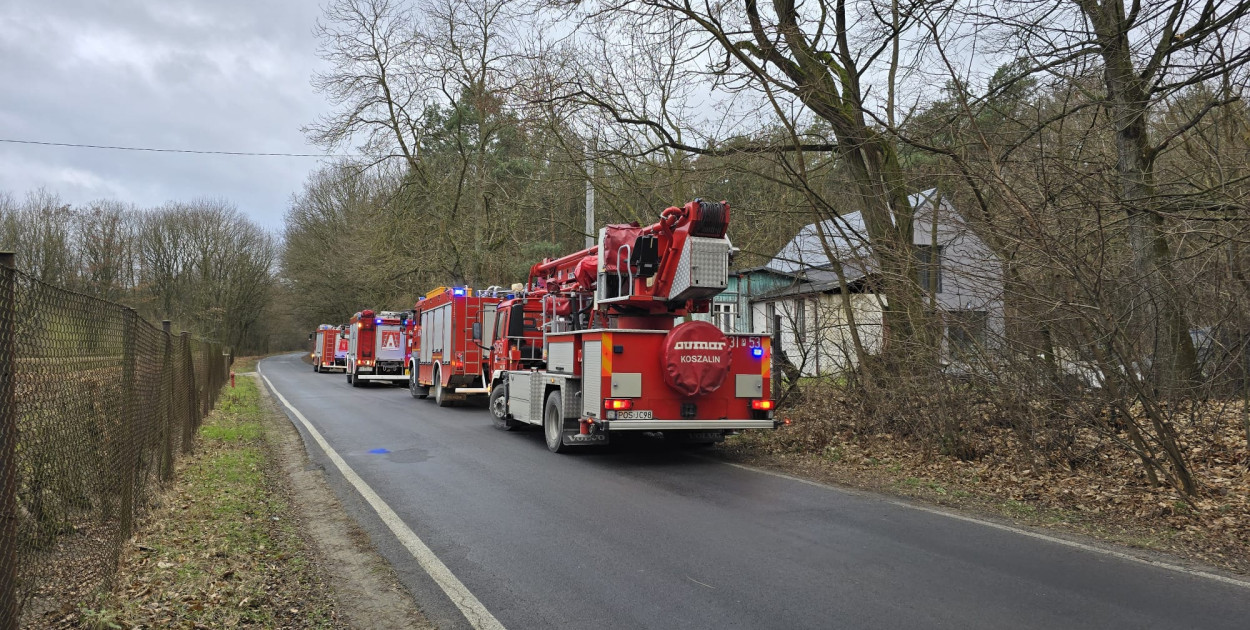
[(114, 148)]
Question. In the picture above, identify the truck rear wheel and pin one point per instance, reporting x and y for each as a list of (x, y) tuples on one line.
[(355, 380), (349, 377), (415, 387), (553, 423), (316, 366), (498, 406), (440, 392)]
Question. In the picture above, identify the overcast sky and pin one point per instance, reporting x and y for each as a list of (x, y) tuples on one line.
[(226, 75)]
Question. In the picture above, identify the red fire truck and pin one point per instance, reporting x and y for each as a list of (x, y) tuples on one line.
[(375, 348), (591, 345), (330, 349), (449, 353)]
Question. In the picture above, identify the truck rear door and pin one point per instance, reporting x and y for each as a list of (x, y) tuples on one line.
[(327, 339), (390, 342)]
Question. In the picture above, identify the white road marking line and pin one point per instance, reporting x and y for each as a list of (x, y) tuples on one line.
[(473, 610), (1007, 528), (700, 583)]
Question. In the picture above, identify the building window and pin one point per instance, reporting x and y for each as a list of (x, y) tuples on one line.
[(770, 310), (929, 267), (965, 331), (724, 314)]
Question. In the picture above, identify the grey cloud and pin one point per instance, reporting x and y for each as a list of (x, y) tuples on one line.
[(229, 75)]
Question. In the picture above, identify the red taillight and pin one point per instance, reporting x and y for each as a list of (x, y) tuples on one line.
[(762, 405), (616, 404)]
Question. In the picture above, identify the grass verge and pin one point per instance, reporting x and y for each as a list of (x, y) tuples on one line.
[(224, 550), (246, 364)]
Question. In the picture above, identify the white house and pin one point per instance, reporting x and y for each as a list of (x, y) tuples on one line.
[(960, 272)]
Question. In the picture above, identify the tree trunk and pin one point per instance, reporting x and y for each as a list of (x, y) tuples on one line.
[(889, 220), (1128, 105)]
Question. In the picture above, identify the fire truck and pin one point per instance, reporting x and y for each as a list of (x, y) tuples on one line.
[(330, 349), (450, 355), (591, 345), (375, 348)]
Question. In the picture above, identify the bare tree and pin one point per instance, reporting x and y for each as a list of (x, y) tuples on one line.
[(1146, 54), (370, 45), (810, 67), (106, 234), (38, 230)]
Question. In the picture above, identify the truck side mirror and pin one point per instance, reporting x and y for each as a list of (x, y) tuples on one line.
[(477, 331), (310, 336)]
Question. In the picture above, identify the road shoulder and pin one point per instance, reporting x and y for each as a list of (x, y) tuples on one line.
[(365, 587), (221, 545), (896, 471)]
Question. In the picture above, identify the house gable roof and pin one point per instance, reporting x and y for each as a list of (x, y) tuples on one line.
[(765, 269), (847, 238), (824, 285)]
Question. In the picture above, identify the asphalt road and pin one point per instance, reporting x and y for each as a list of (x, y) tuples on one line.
[(644, 536)]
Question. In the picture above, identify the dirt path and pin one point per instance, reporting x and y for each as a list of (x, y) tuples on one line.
[(366, 591)]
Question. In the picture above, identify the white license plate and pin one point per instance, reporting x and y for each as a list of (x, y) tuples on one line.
[(634, 415)]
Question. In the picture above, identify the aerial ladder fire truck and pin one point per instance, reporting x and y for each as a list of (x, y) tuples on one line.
[(375, 348), (330, 349), (591, 345)]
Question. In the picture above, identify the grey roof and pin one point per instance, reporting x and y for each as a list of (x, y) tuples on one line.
[(847, 238), (765, 269), (825, 285)]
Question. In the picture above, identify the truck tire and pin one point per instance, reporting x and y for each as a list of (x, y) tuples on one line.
[(349, 377), (440, 392), (356, 380), (415, 387), (316, 366), (498, 406), (553, 423)]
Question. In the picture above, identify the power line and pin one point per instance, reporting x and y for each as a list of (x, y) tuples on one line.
[(152, 150)]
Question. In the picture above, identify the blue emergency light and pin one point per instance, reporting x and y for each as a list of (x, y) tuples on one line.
[(378, 320), (458, 291), (757, 352)]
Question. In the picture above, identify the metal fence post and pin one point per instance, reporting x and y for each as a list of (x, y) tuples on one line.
[(205, 383), (167, 397), (129, 420), (192, 396), (8, 444)]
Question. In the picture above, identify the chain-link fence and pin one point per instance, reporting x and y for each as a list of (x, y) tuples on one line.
[(95, 406)]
